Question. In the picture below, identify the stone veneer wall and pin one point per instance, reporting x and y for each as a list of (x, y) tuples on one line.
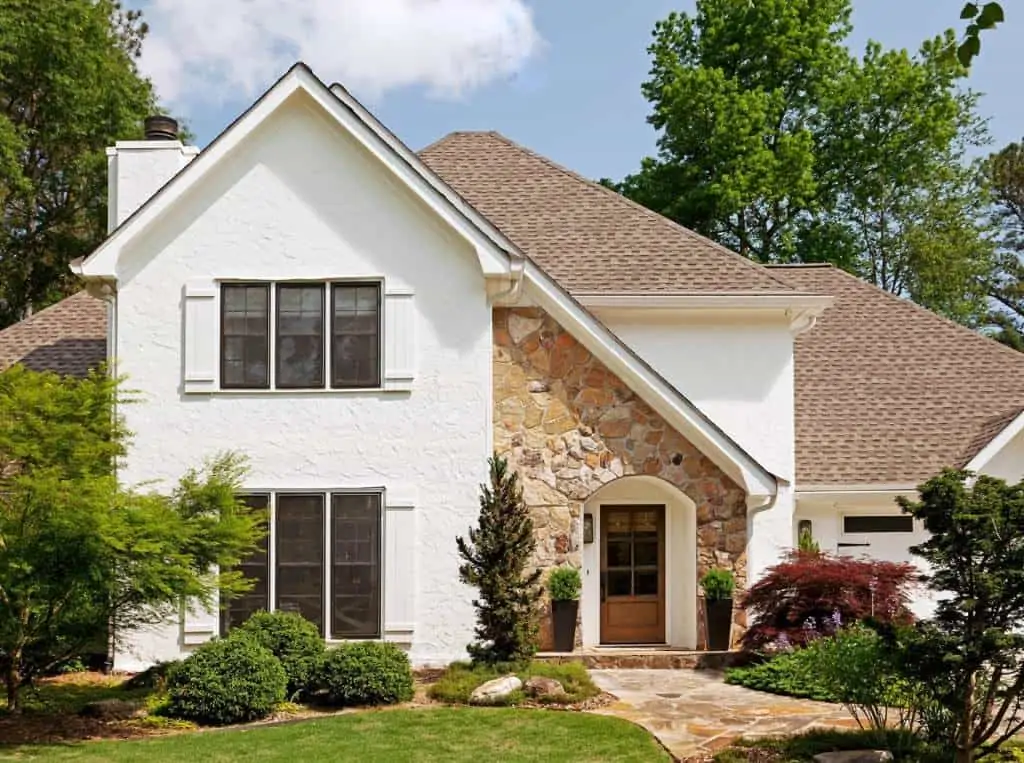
[(569, 425)]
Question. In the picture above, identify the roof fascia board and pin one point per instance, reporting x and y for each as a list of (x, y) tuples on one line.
[(679, 412), (996, 444), (855, 489), (102, 263)]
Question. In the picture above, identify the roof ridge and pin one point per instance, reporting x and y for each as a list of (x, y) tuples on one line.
[(629, 202), (910, 304)]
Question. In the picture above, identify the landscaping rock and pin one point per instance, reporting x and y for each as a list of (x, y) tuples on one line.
[(495, 690), (539, 686), (113, 709), (854, 756)]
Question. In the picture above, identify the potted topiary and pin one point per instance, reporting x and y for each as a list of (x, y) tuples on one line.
[(718, 586), (564, 587)]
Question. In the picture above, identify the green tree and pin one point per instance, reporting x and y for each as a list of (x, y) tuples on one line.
[(971, 654), (495, 562), (980, 18), (778, 143), (735, 91), (79, 555), (1005, 173), (900, 203), (69, 88)]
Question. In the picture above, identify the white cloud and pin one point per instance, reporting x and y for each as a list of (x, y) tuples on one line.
[(216, 50)]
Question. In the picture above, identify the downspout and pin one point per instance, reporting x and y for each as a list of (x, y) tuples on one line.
[(516, 269)]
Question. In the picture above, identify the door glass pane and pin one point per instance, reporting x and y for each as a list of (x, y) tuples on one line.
[(646, 583), (245, 340), (300, 556), (355, 565), (646, 552), (355, 335), (619, 553), (300, 336), (618, 522), (236, 611), (620, 583)]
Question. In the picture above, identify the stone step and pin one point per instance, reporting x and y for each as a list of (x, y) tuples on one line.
[(653, 658)]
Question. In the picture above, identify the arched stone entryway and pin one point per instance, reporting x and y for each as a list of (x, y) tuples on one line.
[(569, 427), (678, 577)]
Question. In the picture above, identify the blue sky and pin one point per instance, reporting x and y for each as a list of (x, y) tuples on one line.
[(569, 87)]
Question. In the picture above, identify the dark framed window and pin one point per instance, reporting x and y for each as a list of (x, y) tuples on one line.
[(355, 334), (256, 568), (300, 336), (299, 556), (881, 523), (245, 336), (356, 571)]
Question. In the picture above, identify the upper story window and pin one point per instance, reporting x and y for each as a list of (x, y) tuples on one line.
[(303, 346)]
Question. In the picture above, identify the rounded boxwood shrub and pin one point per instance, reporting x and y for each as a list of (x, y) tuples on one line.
[(365, 673), (226, 681), (291, 638)]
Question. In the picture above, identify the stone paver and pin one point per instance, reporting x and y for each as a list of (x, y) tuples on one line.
[(695, 713)]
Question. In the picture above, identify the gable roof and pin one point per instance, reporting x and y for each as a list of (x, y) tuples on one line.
[(587, 237), (69, 337), (498, 257), (888, 392)]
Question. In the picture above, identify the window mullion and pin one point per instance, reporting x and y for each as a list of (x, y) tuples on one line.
[(272, 556), (272, 337)]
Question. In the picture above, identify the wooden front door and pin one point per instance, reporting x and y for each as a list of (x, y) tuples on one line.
[(632, 574)]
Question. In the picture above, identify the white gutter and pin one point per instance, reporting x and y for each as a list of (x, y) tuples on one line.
[(846, 489)]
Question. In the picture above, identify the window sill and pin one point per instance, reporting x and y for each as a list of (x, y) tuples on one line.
[(390, 388)]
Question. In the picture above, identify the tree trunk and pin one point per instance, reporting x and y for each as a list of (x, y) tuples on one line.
[(964, 751), (13, 679)]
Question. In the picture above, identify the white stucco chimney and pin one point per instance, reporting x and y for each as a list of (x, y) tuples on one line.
[(139, 168)]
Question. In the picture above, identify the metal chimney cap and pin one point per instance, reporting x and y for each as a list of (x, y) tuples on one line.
[(160, 127)]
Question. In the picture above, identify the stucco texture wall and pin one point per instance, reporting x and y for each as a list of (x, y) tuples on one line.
[(301, 199), (569, 426)]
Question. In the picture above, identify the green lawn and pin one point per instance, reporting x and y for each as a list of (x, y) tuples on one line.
[(449, 734)]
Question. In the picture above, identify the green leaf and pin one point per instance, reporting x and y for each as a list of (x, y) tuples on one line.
[(991, 15), (970, 11), (968, 49)]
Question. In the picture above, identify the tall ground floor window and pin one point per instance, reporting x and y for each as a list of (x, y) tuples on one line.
[(322, 559)]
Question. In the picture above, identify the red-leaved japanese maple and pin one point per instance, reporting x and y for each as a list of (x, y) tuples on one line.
[(812, 593)]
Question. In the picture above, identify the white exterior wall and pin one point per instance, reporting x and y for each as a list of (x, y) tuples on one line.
[(301, 200), (1008, 463), (739, 372)]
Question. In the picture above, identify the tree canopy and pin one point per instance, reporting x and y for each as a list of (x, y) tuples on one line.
[(775, 140), (69, 87), (1005, 173), (78, 554)]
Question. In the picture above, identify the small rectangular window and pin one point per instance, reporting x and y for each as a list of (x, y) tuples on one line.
[(300, 336), (882, 523), (300, 556), (236, 611), (355, 565), (355, 335), (245, 336)]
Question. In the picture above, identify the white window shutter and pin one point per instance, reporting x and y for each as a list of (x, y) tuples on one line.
[(399, 339), (201, 336), (199, 624), (399, 566)]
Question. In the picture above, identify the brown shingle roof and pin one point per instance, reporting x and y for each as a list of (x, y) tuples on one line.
[(69, 337), (588, 238), (888, 392)]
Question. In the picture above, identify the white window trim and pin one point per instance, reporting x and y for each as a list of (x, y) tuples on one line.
[(385, 633), (383, 386)]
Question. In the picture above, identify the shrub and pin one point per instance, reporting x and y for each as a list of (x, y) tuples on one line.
[(812, 594), (793, 674), (564, 584), (365, 673), (153, 677), (226, 681), (291, 638), (718, 584)]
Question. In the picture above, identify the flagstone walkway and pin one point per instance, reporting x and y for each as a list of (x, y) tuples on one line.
[(695, 713)]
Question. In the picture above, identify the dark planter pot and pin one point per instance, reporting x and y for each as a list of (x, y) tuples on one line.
[(719, 620), (563, 618)]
